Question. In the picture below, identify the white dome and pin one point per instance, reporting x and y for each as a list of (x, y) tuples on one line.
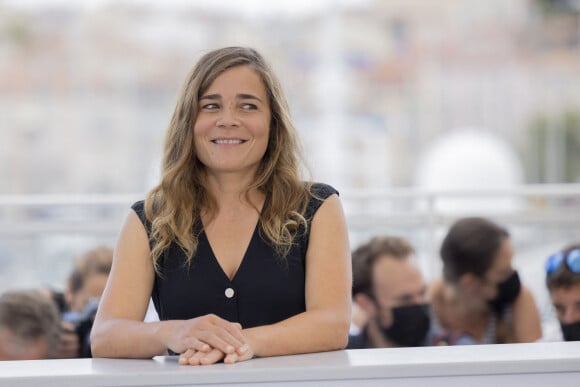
[(470, 160)]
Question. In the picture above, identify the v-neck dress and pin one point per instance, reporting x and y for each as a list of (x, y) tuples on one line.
[(265, 289)]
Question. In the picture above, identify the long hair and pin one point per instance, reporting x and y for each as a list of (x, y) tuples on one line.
[(174, 205)]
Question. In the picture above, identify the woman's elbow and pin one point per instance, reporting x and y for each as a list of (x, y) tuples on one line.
[(340, 329), (98, 340), (96, 344)]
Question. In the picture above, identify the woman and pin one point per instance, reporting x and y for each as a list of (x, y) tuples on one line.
[(241, 257), (481, 293)]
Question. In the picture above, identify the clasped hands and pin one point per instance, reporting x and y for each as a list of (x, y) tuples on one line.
[(209, 339)]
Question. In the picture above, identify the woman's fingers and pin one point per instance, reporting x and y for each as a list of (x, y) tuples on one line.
[(232, 332), (236, 357), (206, 333), (192, 357), (218, 333), (184, 357), (198, 345), (231, 358), (195, 357), (220, 340), (211, 357)]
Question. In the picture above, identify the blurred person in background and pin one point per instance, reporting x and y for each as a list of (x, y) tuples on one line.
[(389, 289), (29, 326), (358, 319), (85, 286), (88, 278), (241, 256), (563, 282), (481, 293)]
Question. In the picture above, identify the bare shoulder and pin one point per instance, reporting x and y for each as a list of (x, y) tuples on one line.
[(132, 254), (133, 228), (330, 208), (525, 300)]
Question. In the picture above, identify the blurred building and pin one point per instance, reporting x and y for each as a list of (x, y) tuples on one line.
[(87, 90)]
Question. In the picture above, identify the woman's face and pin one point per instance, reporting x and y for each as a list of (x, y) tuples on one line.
[(233, 124), (500, 270)]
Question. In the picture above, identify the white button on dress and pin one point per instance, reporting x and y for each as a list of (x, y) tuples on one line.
[(229, 292)]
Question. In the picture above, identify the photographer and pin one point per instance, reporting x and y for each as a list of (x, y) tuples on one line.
[(76, 328), (84, 288)]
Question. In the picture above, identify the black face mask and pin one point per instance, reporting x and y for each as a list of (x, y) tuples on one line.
[(410, 325), (507, 292), (571, 331)]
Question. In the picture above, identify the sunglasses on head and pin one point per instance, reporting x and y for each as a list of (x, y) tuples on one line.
[(572, 260)]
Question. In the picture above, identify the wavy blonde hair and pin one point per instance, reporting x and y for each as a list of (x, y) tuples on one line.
[(175, 204)]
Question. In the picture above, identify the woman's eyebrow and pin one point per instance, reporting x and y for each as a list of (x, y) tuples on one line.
[(211, 96), (239, 96), (248, 96)]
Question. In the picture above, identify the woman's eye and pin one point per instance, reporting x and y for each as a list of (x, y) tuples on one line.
[(210, 106), (249, 106)]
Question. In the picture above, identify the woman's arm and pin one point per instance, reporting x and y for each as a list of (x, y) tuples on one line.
[(325, 323), (526, 318), (119, 330)]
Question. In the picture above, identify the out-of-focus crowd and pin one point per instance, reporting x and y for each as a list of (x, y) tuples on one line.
[(479, 298), (48, 323)]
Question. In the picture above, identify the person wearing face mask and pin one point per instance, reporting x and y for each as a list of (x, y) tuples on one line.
[(480, 292), (563, 282), (389, 289)]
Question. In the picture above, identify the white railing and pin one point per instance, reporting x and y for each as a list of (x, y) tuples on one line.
[(39, 234), (29, 214)]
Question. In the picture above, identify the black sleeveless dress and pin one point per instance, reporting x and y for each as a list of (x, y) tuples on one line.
[(266, 288)]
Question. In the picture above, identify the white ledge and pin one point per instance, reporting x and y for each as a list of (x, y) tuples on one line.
[(556, 364)]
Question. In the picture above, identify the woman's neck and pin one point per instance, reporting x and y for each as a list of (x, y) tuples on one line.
[(232, 197), (228, 186)]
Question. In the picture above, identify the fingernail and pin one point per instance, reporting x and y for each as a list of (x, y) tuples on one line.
[(244, 348), (229, 349)]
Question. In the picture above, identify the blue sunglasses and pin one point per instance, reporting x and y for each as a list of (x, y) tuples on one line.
[(572, 260)]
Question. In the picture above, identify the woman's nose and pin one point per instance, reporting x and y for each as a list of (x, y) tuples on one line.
[(228, 117)]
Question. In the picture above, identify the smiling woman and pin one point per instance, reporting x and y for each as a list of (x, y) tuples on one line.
[(241, 256), (232, 126)]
